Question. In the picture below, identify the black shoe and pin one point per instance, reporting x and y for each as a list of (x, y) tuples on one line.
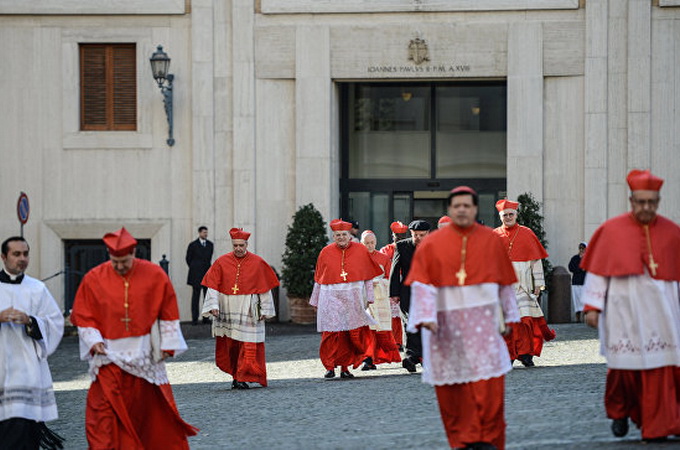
[(368, 366), (346, 374), (409, 365), (239, 385), (482, 446), (206, 321), (330, 374), (527, 360), (400, 348), (620, 427)]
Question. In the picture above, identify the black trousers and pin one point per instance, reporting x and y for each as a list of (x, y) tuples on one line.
[(19, 434), (414, 343), (414, 346), (196, 300)]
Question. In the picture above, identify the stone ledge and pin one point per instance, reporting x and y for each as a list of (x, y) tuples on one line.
[(95, 7), (387, 6)]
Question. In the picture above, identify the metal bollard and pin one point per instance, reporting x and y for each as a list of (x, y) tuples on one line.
[(559, 300)]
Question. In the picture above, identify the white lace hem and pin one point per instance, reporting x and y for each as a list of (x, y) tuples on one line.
[(134, 354)]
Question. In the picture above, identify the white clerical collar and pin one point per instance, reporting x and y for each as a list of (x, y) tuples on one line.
[(11, 276)]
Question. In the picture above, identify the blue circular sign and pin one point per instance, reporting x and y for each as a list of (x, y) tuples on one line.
[(23, 208)]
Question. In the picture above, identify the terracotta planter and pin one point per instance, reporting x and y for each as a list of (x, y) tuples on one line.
[(301, 311)]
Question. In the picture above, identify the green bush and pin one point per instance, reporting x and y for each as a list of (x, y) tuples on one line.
[(529, 215), (305, 239)]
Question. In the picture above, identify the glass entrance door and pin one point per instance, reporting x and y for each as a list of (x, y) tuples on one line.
[(375, 211), (404, 146)]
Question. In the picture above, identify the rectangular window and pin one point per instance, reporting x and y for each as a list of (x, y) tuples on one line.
[(390, 132), (108, 87)]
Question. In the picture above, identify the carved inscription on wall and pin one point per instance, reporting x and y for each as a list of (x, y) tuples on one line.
[(433, 69)]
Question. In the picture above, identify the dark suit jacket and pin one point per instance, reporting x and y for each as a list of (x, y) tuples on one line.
[(401, 264), (198, 259)]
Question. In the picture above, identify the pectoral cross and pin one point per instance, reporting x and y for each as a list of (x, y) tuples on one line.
[(127, 318), (652, 265), (461, 275), (234, 290), (344, 274)]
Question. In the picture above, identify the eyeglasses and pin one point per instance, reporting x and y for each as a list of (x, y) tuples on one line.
[(643, 202)]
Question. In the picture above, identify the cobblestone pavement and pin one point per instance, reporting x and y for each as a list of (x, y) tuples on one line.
[(556, 405)]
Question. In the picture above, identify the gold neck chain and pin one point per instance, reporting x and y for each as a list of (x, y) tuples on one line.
[(462, 274), (234, 290), (343, 274), (652, 265), (512, 241), (127, 318)]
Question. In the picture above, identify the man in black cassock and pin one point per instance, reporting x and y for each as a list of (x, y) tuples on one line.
[(199, 258), (401, 264)]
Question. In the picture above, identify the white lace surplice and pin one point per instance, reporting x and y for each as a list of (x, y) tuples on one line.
[(239, 315), (25, 379), (380, 309), (468, 346), (640, 321), (529, 275), (133, 354), (342, 306)]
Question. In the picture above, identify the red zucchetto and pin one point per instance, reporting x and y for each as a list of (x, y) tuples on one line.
[(340, 225), (238, 233), (643, 180), (119, 243), (465, 189), (444, 219), (398, 227), (502, 205)]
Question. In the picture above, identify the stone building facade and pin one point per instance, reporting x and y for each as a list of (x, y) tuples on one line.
[(279, 103)]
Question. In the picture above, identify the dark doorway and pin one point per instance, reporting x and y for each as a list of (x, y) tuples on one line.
[(405, 145), (82, 255)]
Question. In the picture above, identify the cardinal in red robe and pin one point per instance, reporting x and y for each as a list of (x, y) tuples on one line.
[(128, 323), (399, 232), (631, 295), (462, 296), (525, 252), (382, 347), (343, 288), (239, 300)]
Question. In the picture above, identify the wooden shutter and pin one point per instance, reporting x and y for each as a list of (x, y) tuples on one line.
[(108, 87)]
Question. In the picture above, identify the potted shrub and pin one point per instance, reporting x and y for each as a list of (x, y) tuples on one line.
[(305, 239)]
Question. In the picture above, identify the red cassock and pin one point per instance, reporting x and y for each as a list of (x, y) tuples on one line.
[(357, 264), (473, 411), (521, 242), (146, 415), (485, 260), (397, 326), (527, 337), (389, 250), (344, 348), (619, 248), (382, 347), (245, 361)]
